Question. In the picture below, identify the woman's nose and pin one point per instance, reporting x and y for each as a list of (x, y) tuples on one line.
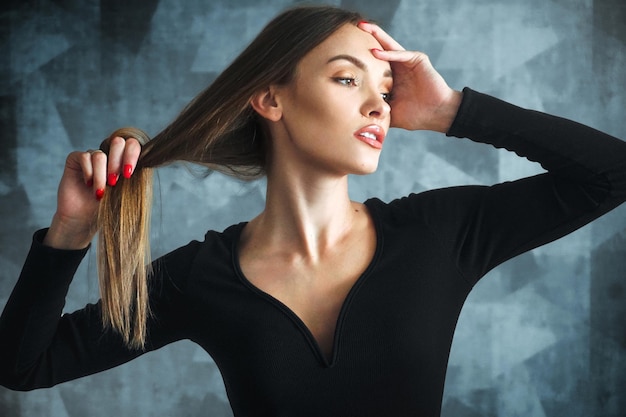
[(376, 105)]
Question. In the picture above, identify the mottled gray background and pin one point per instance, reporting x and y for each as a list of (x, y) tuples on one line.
[(543, 335)]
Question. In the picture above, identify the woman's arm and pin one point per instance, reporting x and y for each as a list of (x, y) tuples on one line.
[(484, 226), (33, 310), (42, 347), (586, 177)]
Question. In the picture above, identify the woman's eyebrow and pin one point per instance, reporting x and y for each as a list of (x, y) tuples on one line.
[(357, 63)]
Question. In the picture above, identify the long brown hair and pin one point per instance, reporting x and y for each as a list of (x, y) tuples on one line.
[(218, 129)]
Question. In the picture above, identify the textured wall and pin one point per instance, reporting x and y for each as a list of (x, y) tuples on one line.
[(543, 335)]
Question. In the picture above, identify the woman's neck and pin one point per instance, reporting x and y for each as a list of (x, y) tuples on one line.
[(307, 214)]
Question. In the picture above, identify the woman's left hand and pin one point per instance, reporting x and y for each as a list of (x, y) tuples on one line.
[(421, 98)]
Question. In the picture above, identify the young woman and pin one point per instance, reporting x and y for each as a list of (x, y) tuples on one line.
[(319, 305)]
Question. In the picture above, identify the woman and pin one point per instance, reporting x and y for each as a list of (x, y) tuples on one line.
[(319, 305)]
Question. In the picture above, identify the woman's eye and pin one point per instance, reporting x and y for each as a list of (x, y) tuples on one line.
[(386, 96), (347, 81)]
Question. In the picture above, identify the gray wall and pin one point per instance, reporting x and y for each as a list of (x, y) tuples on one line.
[(543, 335)]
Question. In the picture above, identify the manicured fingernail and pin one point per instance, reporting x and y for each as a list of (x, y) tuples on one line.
[(99, 193), (128, 170), (112, 179), (89, 183), (362, 22), (376, 50)]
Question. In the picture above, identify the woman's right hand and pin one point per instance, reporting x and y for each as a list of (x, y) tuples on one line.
[(83, 184)]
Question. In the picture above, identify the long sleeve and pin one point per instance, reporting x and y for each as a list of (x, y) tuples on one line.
[(485, 226), (40, 347), (38, 302)]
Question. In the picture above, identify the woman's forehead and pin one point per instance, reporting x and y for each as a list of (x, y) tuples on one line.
[(347, 40)]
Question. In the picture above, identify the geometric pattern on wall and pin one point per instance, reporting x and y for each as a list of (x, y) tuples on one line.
[(540, 336)]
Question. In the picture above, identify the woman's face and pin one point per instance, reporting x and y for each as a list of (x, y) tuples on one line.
[(335, 113)]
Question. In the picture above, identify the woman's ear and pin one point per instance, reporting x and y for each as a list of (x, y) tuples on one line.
[(264, 102)]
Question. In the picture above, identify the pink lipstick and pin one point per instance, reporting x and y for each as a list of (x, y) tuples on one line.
[(373, 135)]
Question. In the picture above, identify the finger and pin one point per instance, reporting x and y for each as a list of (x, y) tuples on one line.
[(385, 40), (81, 161), (132, 150), (99, 166), (114, 164), (400, 56)]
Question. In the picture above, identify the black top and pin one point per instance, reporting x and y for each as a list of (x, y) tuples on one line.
[(395, 328)]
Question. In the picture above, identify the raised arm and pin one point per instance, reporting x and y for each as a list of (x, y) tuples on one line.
[(586, 177), (40, 347), (485, 226)]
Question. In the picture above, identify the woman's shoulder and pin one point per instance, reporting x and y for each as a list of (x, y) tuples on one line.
[(199, 257), (435, 202)]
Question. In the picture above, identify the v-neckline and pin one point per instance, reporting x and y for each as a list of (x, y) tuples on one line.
[(289, 313)]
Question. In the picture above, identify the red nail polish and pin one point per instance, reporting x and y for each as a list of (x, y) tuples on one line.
[(112, 179), (99, 193), (128, 170), (362, 22)]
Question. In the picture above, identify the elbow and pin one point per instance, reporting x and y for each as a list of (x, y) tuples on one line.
[(14, 383), (22, 381), (16, 386)]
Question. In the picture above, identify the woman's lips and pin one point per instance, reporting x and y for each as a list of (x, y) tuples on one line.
[(373, 135)]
